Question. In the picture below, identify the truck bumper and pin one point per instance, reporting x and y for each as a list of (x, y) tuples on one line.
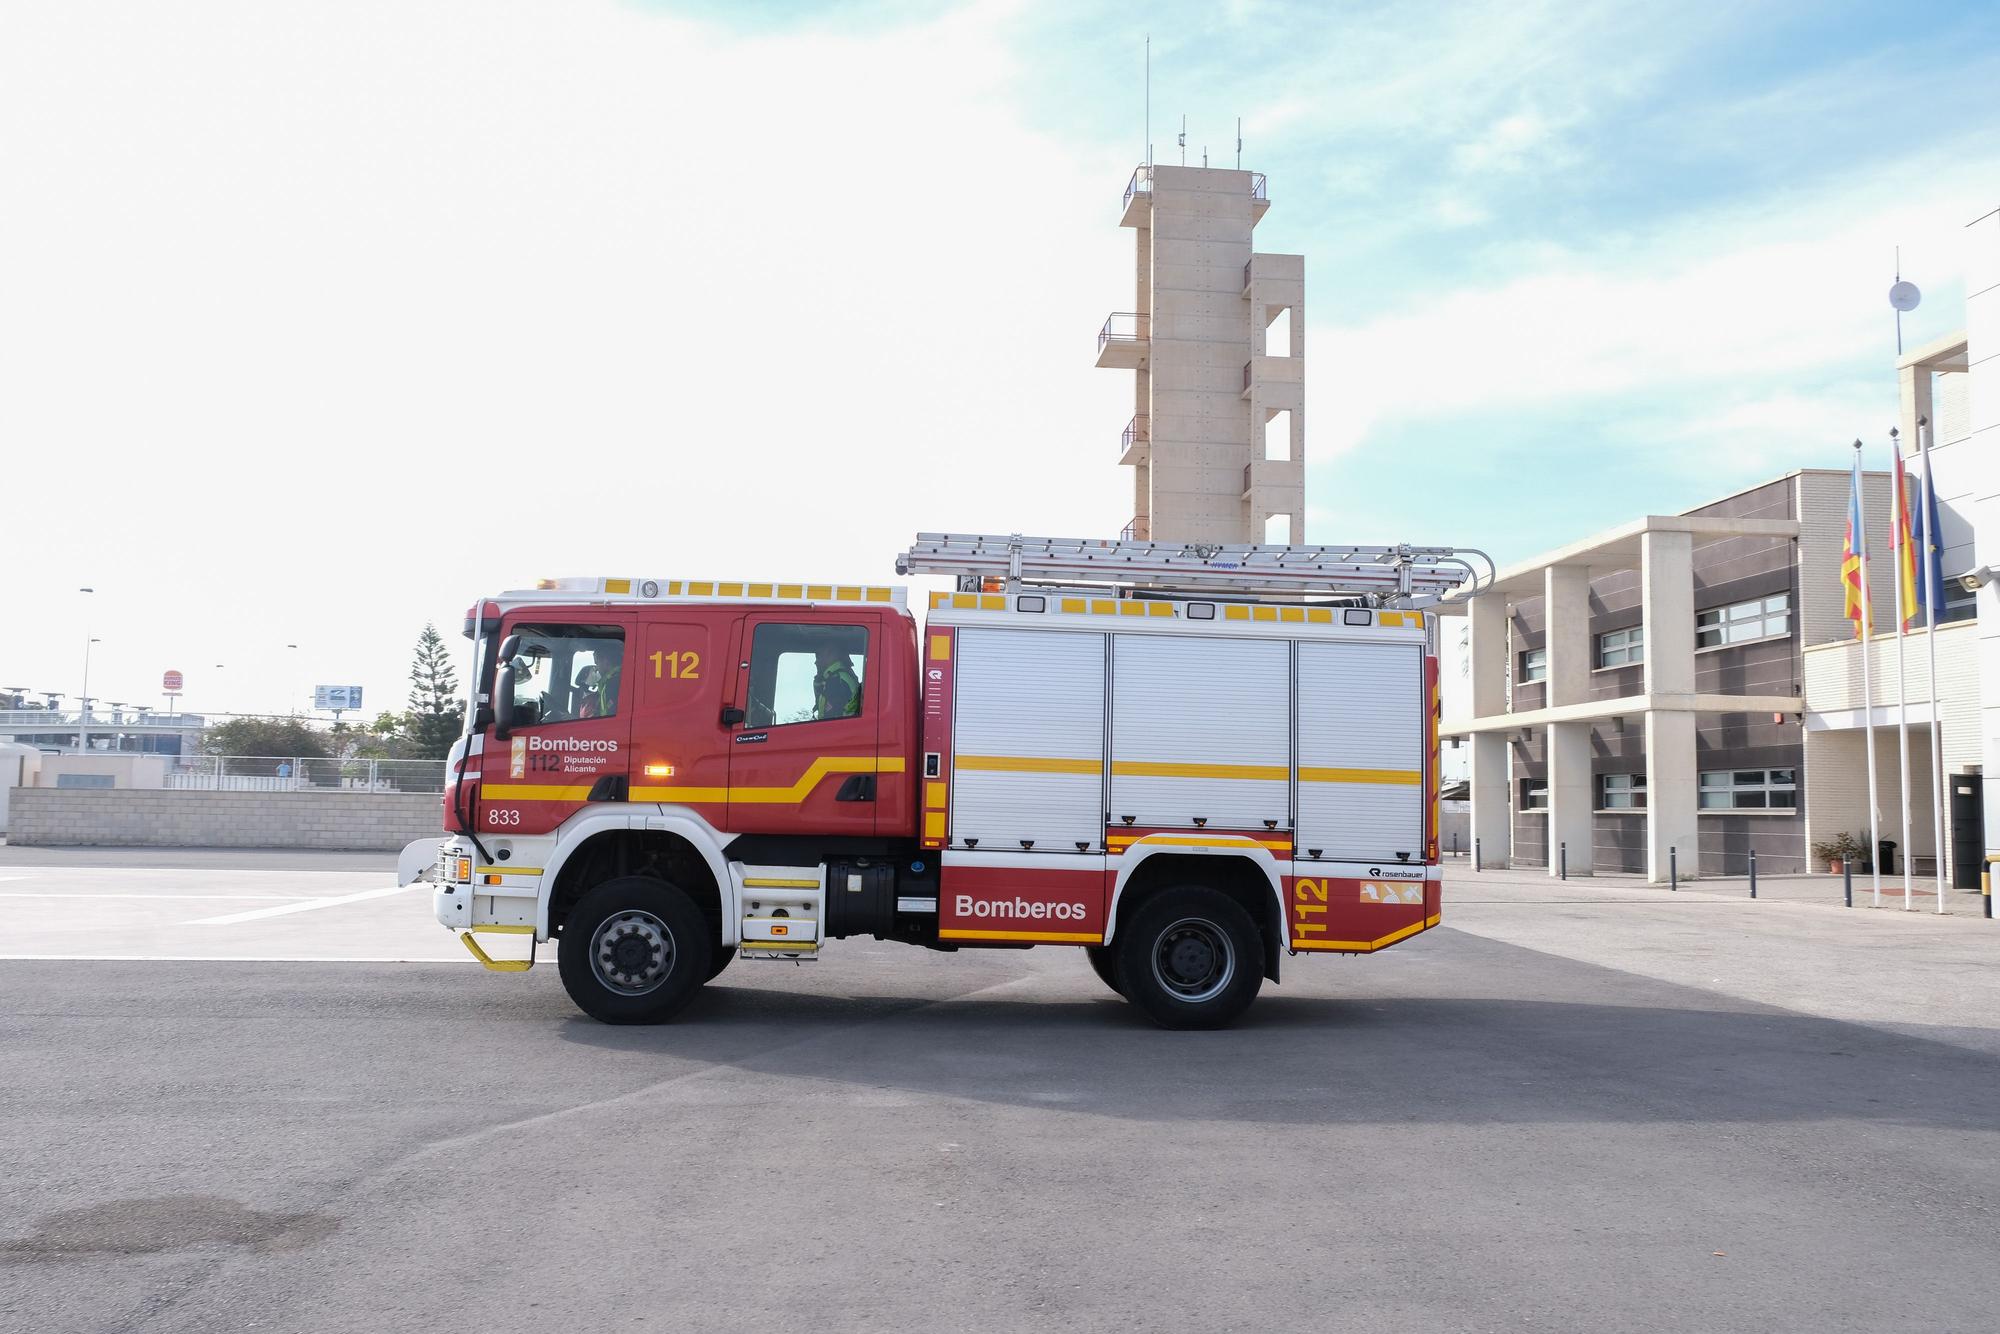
[(419, 860)]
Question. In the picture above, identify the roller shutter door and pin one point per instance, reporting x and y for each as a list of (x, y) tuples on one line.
[(1361, 750), (1028, 739), (1201, 728)]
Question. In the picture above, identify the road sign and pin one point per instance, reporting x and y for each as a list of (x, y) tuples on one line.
[(336, 697), (170, 683)]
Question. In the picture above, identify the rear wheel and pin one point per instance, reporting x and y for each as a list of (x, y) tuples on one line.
[(1190, 957), (1104, 962), (634, 951)]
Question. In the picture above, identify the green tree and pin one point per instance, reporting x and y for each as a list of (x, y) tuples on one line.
[(435, 716), (275, 738)]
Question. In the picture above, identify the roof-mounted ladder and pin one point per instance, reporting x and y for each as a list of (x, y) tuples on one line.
[(1403, 575)]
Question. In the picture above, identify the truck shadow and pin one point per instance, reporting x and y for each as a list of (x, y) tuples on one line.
[(1672, 1055)]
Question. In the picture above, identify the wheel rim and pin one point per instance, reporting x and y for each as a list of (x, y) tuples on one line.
[(632, 952), (1194, 960)]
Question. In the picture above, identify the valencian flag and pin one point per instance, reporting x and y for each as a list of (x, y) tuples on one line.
[(1855, 608), (1905, 548)]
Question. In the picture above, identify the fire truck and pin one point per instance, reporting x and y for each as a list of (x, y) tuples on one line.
[(1192, 762)]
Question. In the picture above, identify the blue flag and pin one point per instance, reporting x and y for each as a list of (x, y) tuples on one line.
[(1930, 566)]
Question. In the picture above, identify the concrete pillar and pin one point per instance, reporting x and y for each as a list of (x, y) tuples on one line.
[(1671, 820), (1566, 622), (1666, 600), (1492, 817), (1571, 796), (1487, 654)]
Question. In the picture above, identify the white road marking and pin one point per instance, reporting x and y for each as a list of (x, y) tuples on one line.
[(307, 905), (84, 894)]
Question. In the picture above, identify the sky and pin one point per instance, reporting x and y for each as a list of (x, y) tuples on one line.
[(318, 321)]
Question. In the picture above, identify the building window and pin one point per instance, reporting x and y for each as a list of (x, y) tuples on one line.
[(1741, 622), (1749, 790), (1621, 648), (1535, 665), (1621, 792), (1534, 796)]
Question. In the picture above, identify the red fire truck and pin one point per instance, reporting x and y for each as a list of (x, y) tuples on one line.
[(1191, 761)]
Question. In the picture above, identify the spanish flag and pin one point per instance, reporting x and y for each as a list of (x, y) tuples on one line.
[(1853, 563), (1906, 552)]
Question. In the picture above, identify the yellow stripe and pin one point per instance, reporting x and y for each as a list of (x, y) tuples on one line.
[(505, 930), (1073, 605), (1148, 769), (617, 585), (1102, 607), (1235, 613), (1388, 777), (535, 792), (1159, 608), (934, 824), (881, 594), (781, 884), (820, 768), (1026, 764), (1121, 844), (783, 946), (507, 870), (934, 796), (1086, 937), (1362, 946), (940, 648)]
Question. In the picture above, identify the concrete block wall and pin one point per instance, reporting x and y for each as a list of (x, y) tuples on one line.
[(135, 818)]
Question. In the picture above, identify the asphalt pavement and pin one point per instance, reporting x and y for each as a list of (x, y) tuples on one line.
[(1570, 1108)]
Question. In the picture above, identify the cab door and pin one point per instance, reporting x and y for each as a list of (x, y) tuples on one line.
[(804, 760), (681, 680), (569, 723)]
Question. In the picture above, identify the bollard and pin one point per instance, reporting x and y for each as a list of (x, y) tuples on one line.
[(1454, 843), (1562, 864), (1673, 870), (1477, 864), (1753, 873), (1986, 884), (1847, 880)]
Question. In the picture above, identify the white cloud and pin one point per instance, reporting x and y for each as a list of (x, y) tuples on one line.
[(1751, 304), (317, 327)]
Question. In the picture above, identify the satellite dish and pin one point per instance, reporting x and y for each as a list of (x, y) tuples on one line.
[(1905, 296)]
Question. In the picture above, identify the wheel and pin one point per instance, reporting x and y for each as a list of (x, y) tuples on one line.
[(634, 951), (723, 958), (1190, 957), (1104, 962)]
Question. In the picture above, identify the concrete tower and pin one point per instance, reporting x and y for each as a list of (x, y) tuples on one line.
[(1217, 436)]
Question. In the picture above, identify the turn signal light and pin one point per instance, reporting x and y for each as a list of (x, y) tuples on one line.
[(464, 870), (659, 771)]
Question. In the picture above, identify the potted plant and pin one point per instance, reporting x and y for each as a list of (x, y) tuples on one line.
[(1839, 850)]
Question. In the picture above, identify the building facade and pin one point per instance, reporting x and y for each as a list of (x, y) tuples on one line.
[(1216, 342)]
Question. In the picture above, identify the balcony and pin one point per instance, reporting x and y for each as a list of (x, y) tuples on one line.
[(1138, 197), (1125, 341), (1134, 441), (1260, 199), (1279, 382), (1137, 530)]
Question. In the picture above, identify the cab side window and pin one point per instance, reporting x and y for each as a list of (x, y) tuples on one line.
[(566, 673), (806, 673)]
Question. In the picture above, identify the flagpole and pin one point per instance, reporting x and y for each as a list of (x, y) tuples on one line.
[(1867, 684), (1897, 528), (1931, 595)]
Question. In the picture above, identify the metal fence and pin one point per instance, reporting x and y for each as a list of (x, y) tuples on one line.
[(283, 773)]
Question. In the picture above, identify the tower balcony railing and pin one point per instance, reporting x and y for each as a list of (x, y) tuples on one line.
[(1259, 187), (1136, 432), (1136, 531), (1124, 326), (1248, 367), (1141, 183)]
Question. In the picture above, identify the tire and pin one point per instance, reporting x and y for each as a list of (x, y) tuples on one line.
[(1190, 957), (723, 958), (1104, 962), (634, 951)]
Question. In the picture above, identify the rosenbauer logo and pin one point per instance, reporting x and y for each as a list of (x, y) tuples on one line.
[(1018, 908)]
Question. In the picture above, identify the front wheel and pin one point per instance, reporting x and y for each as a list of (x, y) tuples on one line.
[(634, 951), (1190, 957)]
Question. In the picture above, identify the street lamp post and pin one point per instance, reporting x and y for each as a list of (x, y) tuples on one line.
[(83, 716)]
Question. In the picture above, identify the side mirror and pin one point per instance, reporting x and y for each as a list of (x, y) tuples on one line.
[(503, 687)]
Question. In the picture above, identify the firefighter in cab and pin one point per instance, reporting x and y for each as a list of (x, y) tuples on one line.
[(836, 689)]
